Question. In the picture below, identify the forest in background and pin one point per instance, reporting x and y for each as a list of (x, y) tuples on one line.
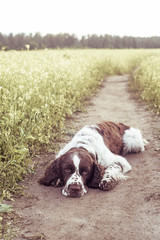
[(22, 41)]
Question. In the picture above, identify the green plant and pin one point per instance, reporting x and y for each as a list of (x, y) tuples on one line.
[(146, 81), (39, 90)]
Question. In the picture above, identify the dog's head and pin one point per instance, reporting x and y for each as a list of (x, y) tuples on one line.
[(75, 170)]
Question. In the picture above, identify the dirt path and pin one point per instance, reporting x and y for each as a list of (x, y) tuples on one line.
[(131, 211)]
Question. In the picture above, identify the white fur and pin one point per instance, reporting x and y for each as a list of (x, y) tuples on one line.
[(76, 161), (115, 172), (133, 141), (112, 175)]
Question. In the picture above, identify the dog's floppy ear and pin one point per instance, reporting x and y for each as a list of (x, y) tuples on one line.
[(98, 172), (52, 175)]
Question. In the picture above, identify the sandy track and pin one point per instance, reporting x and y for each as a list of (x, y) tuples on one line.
[(131, 211)]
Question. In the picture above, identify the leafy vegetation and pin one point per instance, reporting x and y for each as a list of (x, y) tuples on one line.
[(9, 222), (146, 81), (5, 208), (40, 89)]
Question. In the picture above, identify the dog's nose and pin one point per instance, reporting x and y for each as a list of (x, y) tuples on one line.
[(74, 188)]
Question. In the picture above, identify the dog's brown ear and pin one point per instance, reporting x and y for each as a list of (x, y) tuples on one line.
[(98, 172), (52, 175)]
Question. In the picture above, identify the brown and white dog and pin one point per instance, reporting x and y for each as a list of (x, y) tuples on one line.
[(91, 158)]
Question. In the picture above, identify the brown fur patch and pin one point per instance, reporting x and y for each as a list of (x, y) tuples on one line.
[(112, 134)]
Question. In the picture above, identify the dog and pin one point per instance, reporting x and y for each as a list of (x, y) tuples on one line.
[(93, 158)]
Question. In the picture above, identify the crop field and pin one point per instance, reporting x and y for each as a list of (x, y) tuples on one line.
[(147, 81), (39, 90)]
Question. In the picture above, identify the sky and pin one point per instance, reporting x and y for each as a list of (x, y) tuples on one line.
[(81, 17)]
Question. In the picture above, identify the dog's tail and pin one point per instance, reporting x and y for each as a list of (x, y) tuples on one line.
[(133, 141)]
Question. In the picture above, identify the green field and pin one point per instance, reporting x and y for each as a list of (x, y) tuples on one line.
[(40, 89)]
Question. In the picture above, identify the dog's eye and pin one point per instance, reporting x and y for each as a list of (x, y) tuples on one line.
[(85, 173), (67, 170)]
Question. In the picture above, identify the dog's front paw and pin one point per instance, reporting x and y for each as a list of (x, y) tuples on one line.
[(107, 184)]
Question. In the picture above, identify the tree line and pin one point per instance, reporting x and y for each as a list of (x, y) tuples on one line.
[(64, 40)]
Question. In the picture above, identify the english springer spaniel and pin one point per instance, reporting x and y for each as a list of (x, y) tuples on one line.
[(91, 158)]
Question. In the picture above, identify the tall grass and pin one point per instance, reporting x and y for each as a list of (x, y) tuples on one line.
[(38, 91), (146, 80)]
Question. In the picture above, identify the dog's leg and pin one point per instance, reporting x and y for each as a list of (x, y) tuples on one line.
[(114, 173)]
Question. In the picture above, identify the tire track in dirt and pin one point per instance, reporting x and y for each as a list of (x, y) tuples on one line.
[(131, 211)]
